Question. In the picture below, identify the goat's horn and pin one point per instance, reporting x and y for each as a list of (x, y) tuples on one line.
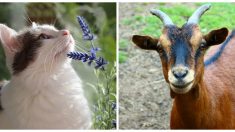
[(163, 16), (194, 19)]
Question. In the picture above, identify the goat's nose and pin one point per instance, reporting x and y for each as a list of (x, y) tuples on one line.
[(65, 32), (180, 73)]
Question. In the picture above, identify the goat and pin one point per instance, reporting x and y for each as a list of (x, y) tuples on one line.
[(203, 92)]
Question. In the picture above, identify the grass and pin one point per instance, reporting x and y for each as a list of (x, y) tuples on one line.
[(122, 56), (220, 15)]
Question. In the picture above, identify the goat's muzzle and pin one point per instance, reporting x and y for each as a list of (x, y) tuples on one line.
[(181, 79)]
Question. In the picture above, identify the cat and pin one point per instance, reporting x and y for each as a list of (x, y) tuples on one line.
[(44, 91)]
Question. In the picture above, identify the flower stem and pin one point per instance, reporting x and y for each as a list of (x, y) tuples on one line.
[(92, 44)]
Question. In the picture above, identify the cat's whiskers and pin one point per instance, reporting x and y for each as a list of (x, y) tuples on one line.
[(77, 47), (59, 45), (55, 21), (81, 47), (28, 18), (45, 60), (50, 54), (78, 42), (39, 56), (52, 61)]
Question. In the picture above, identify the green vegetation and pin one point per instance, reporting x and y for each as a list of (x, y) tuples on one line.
[(105, 109), (220, 15)]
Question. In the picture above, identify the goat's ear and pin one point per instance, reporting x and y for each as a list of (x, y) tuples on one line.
[(216, 36), (145, 42)]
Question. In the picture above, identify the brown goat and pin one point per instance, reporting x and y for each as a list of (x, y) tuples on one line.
[(203, 92)]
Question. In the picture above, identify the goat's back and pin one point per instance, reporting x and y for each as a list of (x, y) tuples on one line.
[(219, 77)]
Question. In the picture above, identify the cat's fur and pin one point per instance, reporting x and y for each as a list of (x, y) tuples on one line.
[(44, 91)]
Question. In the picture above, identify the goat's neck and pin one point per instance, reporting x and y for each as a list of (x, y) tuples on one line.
[(193, 105)]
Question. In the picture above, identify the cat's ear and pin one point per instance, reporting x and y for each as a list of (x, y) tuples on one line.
[(8, 39)]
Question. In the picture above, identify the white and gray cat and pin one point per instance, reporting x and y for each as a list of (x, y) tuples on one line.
[(44, 91)]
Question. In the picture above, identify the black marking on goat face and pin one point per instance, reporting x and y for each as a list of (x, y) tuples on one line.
[(180, 53), (30, 43)]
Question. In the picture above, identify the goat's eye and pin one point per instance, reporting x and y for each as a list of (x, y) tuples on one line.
[(44, 36), (203, 45), (159, 48)]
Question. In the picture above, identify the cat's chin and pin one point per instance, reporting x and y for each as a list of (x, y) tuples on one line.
[(64, 51)]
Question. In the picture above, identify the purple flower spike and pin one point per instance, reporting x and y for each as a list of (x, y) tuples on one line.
[(114, 106), (91, 55), (78, 56), (114, 123), (100, 63), (87, 35), (84, 57), (93, 52), (74, 55)]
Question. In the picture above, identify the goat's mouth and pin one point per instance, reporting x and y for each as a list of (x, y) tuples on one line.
[(181, 88)]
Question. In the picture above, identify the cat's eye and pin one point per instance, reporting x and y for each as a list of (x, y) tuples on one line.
[(44, 36)]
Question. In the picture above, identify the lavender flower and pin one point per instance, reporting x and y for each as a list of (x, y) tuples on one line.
[(113, 105), (94, 50), (114, 123), (78, 56), (100, 63), (85, 57), (87, 35), (99, 118), (93, 55)]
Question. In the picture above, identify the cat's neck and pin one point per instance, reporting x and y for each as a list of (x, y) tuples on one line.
[(39, 79), (43, 70)]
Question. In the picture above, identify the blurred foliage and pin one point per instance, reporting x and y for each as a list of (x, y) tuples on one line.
[(41, 12), (105, 109), (4, 73), (220, 15), (4, 13), (101, 18)]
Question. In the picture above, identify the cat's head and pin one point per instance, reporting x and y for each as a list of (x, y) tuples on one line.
[(40, 46)]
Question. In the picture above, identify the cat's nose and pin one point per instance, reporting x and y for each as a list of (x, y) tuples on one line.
[(65, 32)]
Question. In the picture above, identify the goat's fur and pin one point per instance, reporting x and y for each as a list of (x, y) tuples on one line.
[(215, 106)]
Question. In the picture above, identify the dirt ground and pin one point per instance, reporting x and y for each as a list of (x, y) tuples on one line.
[(144, 96)]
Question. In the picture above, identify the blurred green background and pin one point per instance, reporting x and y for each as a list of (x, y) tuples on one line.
[(101, 18), (220, 15)]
